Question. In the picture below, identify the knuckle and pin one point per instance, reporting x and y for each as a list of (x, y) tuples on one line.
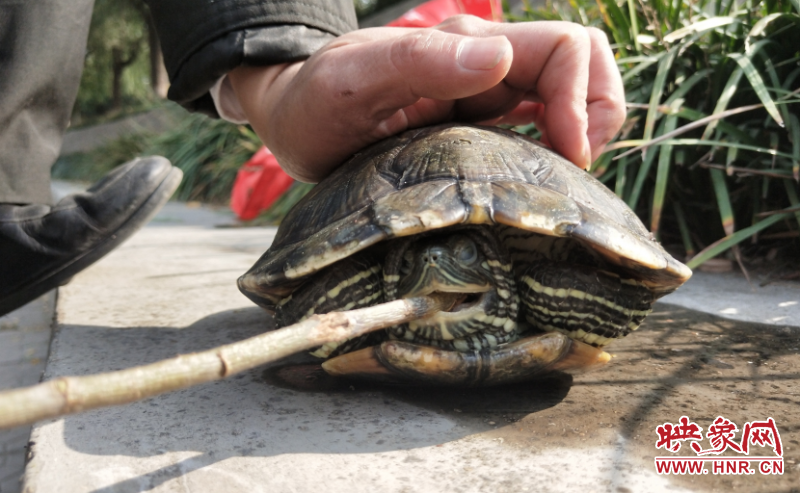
[(460, 24), (597, 34), (412, 49), (574, 36), (613, 116)]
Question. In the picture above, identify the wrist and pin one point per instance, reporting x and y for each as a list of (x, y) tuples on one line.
[(258, 89)]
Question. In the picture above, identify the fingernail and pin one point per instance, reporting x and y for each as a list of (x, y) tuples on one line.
[(482, 53)]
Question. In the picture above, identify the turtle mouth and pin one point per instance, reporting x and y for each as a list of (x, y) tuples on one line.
[(465, 301), (464, 296)]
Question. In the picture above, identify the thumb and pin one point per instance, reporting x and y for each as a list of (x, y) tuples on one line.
[(389, 74)]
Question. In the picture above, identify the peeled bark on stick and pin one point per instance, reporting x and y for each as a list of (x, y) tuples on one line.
[(67, 395)]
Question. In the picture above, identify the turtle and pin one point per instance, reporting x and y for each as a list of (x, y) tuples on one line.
[(544, 264)]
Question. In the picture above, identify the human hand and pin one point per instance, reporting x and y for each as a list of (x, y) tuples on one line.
[(369, 84)]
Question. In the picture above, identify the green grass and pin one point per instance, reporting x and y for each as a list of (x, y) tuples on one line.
[(713, 89)]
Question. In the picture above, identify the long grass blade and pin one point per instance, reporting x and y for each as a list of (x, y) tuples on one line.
[(634, 19), (644, 170), (698, 27), (662, 178), (600, 166), (794, 136), (761, 26), (618, 24), (723, 100), (686, 86), (791, 192), (746, 63), (723, 200), (664, 66), (690, 126), (686, 235), (729, 241), (642, 66), (699, 142)]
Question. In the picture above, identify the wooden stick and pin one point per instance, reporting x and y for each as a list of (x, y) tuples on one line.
[(67, 395)]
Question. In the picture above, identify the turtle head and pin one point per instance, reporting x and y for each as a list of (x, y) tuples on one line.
[(484, 313), (450, 264)]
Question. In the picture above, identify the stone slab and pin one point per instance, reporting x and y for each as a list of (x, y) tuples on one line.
[(171, 290), (731, 296), (24, 344)]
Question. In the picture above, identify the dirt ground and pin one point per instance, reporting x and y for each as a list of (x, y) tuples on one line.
[(679, 363)]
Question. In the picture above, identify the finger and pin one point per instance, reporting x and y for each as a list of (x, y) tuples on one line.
[(561, 83), (606, 96), (552, 59)]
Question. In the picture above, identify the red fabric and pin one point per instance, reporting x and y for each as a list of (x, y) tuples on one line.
[(431, 13), (259, 182)]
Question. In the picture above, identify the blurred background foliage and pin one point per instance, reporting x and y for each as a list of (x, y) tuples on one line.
[(118, 76), (709, 156)]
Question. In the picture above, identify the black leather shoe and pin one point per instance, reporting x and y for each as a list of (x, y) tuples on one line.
[(42, 247)]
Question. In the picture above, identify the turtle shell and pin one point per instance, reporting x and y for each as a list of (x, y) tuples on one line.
[(448, 175)]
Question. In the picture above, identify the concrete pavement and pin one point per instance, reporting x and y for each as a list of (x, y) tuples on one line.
[(24, 344), (170, 290)]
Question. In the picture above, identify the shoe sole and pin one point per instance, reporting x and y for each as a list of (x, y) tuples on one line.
[(136, 221)]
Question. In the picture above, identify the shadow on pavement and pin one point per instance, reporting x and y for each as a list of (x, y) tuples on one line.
[(680, 362)]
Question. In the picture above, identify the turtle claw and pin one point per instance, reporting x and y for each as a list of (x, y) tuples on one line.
[(528, 358)]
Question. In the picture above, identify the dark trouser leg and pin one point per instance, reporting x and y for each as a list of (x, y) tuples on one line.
[(42, 46)]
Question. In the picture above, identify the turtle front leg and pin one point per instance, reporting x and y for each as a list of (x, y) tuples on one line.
[(345, 285), (587, 304)]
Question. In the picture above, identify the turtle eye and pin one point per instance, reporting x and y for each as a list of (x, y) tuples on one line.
[(466, 251)]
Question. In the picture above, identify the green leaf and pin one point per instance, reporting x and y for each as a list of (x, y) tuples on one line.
[(686, 235), (641, 175), (723, 100), (687, 85), (641, 66), (662, 177), (664, 66), (699, 120), (600, 166), (704, 142), (723, 200), (794, 134), (618, 23), (634, 25), (760, 26), (729, 241), (698, 27), (791, 192), (746, 63)]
